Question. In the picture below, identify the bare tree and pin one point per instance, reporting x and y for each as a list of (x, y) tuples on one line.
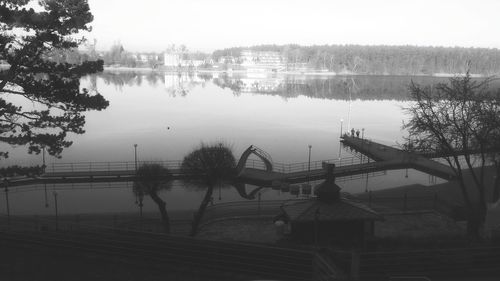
[(216, 164), (461, 120), (151, 179)]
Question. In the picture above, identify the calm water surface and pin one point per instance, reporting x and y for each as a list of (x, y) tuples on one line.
[(280, 114)]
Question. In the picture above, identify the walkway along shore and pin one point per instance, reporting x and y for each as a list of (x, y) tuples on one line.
[(385, 157)]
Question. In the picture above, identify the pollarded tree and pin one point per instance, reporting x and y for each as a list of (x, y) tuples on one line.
[(40, 99), (151, 179), (215, 164), (462, 121)]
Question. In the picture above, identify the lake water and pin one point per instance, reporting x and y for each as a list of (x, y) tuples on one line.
[(169, 115)]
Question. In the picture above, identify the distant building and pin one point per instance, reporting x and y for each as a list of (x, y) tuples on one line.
[(227, 59), (262, 61), (172, 59), (195, 63), (145, 58)]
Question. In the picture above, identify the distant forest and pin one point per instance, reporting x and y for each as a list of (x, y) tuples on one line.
[(383, 60)]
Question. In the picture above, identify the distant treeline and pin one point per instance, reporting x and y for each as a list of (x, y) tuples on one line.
[(382, 60)]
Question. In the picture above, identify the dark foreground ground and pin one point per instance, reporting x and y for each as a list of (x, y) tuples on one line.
[(18, 263), (399, 230)]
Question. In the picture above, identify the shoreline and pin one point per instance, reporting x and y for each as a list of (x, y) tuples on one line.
[(268, 73), (292, 73)]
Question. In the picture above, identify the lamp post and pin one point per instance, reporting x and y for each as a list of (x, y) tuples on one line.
[(6, 186), (43, 158), (316, 227), (363, 134), (366, 183), (45, 192), (309, 164), (220, 183), (341, 125), (408, 147), (55, 205), (44, 184), (141, 198), (135, 156)]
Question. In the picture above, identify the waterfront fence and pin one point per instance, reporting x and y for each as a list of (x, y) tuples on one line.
[(406, 202), (244, 209), (130, 166), (106, 166), (302, 166)]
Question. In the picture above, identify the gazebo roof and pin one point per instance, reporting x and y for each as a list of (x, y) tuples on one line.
[(341, 210)]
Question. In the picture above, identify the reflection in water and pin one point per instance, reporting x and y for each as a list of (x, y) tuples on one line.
[(327, 87), (242, 191), (181, 83), (287, 86), (128, 78)]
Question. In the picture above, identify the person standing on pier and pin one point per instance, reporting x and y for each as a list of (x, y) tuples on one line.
[(357, 133), (352, 132)]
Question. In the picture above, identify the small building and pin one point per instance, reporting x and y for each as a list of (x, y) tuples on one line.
[(254, 61), (172, 59), (330, 219)]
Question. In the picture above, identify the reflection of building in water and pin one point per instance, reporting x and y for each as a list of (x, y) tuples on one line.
[(262, 61), (260, 85), (181, 83)]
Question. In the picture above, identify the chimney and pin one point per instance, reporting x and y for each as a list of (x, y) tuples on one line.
[(330, 177), (328, 191)]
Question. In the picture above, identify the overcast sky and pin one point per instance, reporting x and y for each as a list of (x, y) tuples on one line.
[(151, 25)]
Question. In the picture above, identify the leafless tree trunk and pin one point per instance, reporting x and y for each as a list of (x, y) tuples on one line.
[(201, 210)]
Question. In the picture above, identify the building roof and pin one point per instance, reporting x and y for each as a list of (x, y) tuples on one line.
[(341, 210)]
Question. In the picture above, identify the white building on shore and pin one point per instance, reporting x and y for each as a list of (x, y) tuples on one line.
[(175, 59), (255, 61), (172, 59)]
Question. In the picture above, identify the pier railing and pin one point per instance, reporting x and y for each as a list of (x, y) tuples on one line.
[(301, 166), (176, 164), (106, 166)]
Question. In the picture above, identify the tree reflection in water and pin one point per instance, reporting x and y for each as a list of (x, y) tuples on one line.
[(286, 86)]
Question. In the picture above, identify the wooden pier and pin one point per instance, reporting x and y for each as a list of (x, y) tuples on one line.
[(385, 157), (391, 156)]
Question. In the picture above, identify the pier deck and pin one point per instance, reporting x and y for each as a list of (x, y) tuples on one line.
[(383, 153)]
